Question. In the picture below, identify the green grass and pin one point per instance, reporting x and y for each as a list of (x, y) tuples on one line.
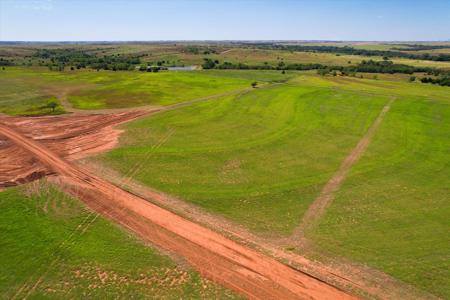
[(51, 239), (128, 89), (261, 158), (393, 211), (19, 98), (258, 158), (23, 90)]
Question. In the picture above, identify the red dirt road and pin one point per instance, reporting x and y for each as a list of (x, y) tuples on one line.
[(251, 273), (70, 136)]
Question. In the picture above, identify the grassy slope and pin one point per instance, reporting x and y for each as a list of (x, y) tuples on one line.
[(89, 89), (42, 239), (19, 98), (393, 211), (258, 158), (126, 89)]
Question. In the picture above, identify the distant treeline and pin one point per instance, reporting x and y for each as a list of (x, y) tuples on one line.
[(354, 51), (370, 66), (80, 59), (444, 80), (418, 47), (5, 62)]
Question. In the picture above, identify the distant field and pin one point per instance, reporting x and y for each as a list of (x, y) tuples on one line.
[(23, 91), (393, 211), (125, 89), (259, 56), (182, 54), (19, 97), (53, 247), (258, 158)]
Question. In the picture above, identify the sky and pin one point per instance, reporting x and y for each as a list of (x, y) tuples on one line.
[(153, 20)]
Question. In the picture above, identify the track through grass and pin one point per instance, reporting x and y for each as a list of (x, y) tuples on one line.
[(258, 158), (52, 247)]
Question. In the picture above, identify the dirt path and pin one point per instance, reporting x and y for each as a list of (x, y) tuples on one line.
[(226, 51), (318, 207), (253, 274)]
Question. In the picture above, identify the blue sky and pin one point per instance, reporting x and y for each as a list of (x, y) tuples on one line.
[(90, 20)]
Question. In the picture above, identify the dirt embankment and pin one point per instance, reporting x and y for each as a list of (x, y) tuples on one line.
[(251, 273)]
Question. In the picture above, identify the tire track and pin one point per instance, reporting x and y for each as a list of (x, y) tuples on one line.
[(320, 204)]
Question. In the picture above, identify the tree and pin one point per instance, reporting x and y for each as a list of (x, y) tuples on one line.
[(254, 84), (323, 72), (52, 104)]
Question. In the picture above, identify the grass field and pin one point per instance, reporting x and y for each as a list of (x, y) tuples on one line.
[(393, 211), (52, 248), (124, 89), (259, 158), (19, 98), (24, 90)]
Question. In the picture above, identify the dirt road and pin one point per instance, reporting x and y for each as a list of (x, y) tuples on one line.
[(70, 136), (251, 273)]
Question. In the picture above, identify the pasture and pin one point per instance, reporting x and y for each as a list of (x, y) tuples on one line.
[(53, 247), (258, 158), (25, 90), (392, 211)]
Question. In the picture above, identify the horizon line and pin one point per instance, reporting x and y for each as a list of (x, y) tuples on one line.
[(219, 40)]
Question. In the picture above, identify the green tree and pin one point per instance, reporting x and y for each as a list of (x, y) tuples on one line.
[(52, 105)]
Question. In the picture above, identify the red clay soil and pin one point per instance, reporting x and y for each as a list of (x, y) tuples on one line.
[(253, 274), (70, 136)]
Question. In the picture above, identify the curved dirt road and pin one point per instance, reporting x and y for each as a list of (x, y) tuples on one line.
[(251, 273)]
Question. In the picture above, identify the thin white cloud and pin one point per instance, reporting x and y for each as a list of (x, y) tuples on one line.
[(39, 5)]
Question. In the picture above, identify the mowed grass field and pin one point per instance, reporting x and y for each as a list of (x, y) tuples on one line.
[(54, 248), (259, 158), (23, 91), (393, 211)]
